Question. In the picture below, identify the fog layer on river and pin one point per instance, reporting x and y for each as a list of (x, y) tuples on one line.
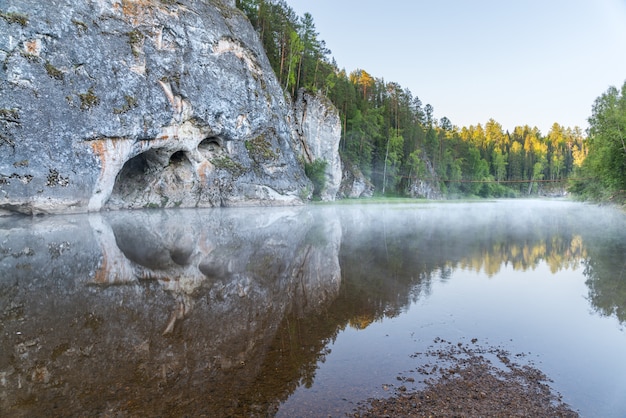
[(303, 311)]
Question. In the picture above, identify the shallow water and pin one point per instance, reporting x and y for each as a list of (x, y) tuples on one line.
[(303, 311)]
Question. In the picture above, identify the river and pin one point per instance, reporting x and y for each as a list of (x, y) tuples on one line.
[(303, 311)]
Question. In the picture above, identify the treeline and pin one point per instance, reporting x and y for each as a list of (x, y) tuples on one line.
[(603, 173), (394, 138)]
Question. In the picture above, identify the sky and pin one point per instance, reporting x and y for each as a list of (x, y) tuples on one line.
[(520, 62)]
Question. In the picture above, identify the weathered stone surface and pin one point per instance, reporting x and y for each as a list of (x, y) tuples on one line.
[(139, 103), (354, 184), (426, 188), (319, 128)]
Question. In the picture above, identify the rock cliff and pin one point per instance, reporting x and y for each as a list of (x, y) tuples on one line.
[(426, 188), (140, 103), (318, 126), (354, 184)]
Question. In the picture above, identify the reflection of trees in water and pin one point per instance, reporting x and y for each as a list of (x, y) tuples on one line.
[(299, 345), (389, 259), (388, 263), (606, 280), (605, 269), (558, 252), (265, 304)]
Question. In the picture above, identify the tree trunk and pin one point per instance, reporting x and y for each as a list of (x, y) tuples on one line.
[(385, 168)]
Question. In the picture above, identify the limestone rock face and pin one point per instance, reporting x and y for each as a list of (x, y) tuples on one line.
[(354, 184), (319, 128), (139, 103), (426, 188)]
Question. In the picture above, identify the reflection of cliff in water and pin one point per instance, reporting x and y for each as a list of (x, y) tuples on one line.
[(227, 312), (156, 313)]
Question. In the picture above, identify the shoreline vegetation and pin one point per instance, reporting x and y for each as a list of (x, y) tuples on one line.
[(378, 199), (396, 141)]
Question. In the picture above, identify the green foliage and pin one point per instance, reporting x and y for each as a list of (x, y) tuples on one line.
[(291, 43), (88, 100), (18, 18), (296, 47), (260, 149), (363, 135), (131, 102), (226, 163), (135, 40), (390, 135), (604, 169), (393, 161), (607, 290), (54, 72), (316, 172)]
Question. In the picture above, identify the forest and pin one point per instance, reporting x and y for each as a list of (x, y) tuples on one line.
[(395, 139)]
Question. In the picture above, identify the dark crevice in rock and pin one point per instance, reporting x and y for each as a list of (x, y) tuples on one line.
[(120, 78), (212, 147), (178, 158), (151, 178)]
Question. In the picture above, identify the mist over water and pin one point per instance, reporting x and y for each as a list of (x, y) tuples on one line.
[(289, 311)]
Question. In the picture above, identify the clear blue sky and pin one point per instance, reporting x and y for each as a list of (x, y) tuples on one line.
[(532, 62)]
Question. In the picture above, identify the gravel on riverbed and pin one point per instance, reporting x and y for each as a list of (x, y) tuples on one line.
[(469, 380)]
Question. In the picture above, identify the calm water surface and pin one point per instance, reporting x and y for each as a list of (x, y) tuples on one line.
[(303, 311)]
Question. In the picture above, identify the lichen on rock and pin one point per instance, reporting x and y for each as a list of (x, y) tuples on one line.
[(140, 103)]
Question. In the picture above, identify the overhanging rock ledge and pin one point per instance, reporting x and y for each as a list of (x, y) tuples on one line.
[(140, 103)]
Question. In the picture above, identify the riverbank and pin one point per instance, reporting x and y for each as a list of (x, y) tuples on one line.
[(467, 380)]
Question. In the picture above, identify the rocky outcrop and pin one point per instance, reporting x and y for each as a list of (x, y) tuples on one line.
[(426, 188), (139, 103), (318, 127), (354, 184)]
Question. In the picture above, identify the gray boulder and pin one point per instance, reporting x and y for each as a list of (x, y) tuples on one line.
[(140, 103)]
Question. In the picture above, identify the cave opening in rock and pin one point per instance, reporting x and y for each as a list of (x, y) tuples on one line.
[(135, 168), (211, 147), (150, 178), (179, 157)]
